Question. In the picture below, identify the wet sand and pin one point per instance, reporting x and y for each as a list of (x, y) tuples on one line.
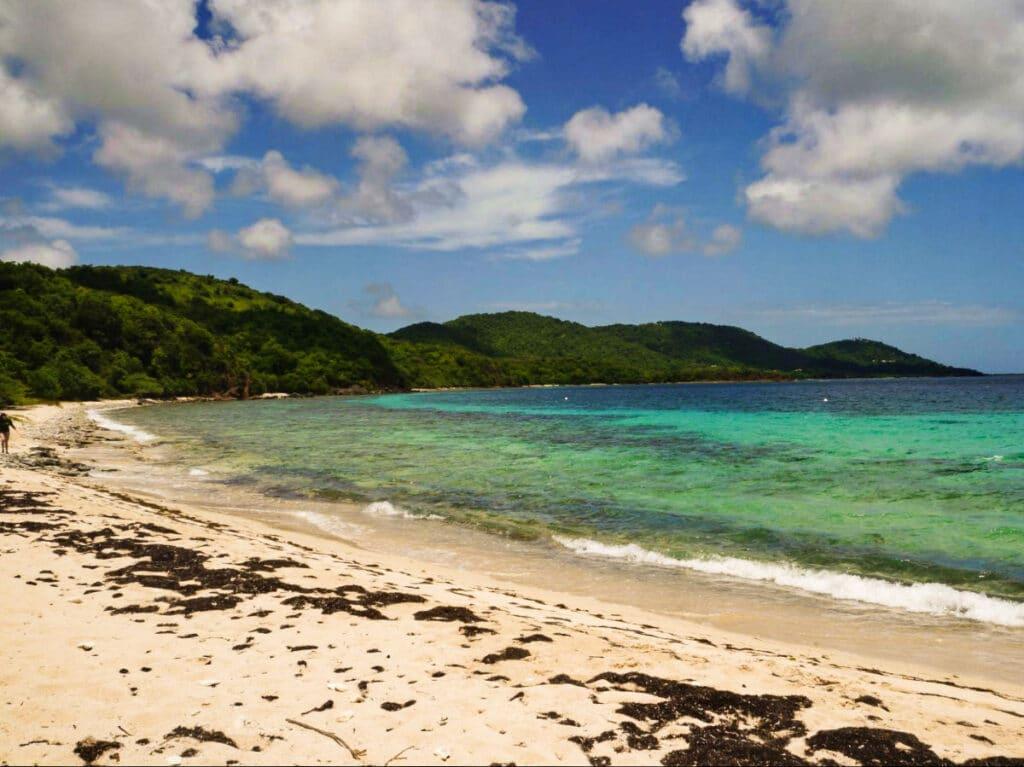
[(137, 631)]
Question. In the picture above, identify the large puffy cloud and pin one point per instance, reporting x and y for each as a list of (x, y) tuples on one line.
[(163, 98), (374, 63), (139, 63), (134, 68), (862, 206), (597, 135), (872, 91)]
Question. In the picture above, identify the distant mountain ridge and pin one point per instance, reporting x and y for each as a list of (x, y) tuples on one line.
[(531, 347), (93, 331)]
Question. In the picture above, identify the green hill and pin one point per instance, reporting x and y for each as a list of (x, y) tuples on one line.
[(876, 356), (90, 331), (86, 332), (702, 344), (529, 348)]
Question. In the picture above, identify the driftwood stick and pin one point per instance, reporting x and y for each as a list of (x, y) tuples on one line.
[(398, 756), (357, 753)]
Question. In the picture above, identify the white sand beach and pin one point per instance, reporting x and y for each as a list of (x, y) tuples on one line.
[(137, 632)]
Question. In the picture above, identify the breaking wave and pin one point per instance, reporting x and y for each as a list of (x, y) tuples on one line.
[(933, 598), (388, 509), (110, 424), (329, 523)]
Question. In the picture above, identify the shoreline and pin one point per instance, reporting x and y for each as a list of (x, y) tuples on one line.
[(931, 599), (605, 681), (172, 399)]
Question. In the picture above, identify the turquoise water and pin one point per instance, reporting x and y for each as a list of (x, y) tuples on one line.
[(912, 481)]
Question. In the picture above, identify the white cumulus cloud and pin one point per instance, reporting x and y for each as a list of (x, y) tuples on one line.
[(871, 92), (433, 66), (595, 134), (164, 101), (266, 239), (717, 27)]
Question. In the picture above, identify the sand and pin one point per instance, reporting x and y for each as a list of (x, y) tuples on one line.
[(137, 632)]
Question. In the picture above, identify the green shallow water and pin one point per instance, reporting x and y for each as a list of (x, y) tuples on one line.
[(912, 481)]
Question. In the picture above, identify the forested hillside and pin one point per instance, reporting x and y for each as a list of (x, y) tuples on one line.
[(88, 332), (528, 348)]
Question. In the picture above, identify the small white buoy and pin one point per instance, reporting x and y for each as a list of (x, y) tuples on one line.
[(824, 399), (565, 398)]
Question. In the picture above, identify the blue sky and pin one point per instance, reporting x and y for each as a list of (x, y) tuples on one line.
[(810, 171)]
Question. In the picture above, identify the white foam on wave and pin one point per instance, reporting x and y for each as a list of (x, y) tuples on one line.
[(198, 473), (110, 424), (330, 523), (388, 509), (933, 598)]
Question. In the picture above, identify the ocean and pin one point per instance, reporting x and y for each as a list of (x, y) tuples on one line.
[(905, 494)]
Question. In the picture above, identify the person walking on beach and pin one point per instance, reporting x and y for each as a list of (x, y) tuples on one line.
[(6, 424)]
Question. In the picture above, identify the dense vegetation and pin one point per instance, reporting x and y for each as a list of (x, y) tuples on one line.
[(88, 332), (521, 347)]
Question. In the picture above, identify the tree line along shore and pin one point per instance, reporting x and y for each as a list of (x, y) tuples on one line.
[(89, 332)]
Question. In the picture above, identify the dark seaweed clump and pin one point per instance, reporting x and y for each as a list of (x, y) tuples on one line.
[(873, 747), (201, 734), (509, 653), (448, 613), (90, 749), (354, 600)]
